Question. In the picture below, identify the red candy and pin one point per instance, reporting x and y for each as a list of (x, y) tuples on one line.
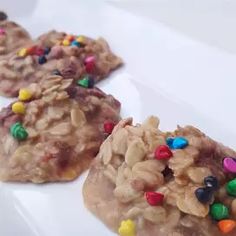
[(89, 67), (31, 50), (89, 63), (38, 51), (108, 127), (154, 198), (163, 152)]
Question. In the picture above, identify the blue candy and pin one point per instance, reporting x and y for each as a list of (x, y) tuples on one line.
[(42, 60), (177, 143), (75, 43), (47, 50), (169, 142)]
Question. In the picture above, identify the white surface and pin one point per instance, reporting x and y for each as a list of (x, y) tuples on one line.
[(178, 78)]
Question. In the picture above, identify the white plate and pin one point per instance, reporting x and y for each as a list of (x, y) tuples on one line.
[(167, 74)]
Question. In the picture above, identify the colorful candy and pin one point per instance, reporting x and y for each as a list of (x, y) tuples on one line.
[(24, 94), (219, 211), (22, 52), (231, 187), (80, 39), (229, 164), (2, 31), (18, 131), (226, 226), (89, 59), (66, 42), (204, 195), (47, 50), (75, 43), (18, 107), (86, 82), (38, 51), (127, 228), (211, 182), (108, 127), (154, 198), (70, 38), (177, 142), (31, 50), (42, 60), (163, 152)]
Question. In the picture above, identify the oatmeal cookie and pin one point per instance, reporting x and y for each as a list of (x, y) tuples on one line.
[(53, 131), (79, 58), (146, 182)]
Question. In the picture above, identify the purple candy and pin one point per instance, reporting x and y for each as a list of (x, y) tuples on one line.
[(2, 31), (229, 164)]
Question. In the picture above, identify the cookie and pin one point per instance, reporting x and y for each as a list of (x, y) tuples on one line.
[(12, 37), (146, 182), (73, 57), (53, 131)]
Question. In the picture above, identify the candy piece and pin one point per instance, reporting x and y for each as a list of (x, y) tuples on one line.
[(56, 72), (127, 228), (80, 39), (22, 52), (169, 142), (179, 143), (86, 82), (65, 42), (31, 50), (229, 164), (18, 131), (226, 226), (89, 59), (2, 31), (163, 152), (39, 51), (211, 182), (75, 43), (24, 94), (89, 64), (204, 195), (18, 107), (108, 127), (219, 211), (231, 187), (154, 198), (47, 50), (89, 67), (3, 16), (70, 37), (42, 60)]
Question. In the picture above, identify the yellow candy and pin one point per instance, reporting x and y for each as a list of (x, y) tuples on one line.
[(18, 107), (66, 42), (22, 52), (24, 95), (127, 228), (80, 39)]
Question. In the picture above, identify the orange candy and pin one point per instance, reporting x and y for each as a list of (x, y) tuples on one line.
[(226, 226), (70, 38)]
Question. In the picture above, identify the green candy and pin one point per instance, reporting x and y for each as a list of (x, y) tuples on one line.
[(83, 82), (231, 187), (18, 131), (219, 211)]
